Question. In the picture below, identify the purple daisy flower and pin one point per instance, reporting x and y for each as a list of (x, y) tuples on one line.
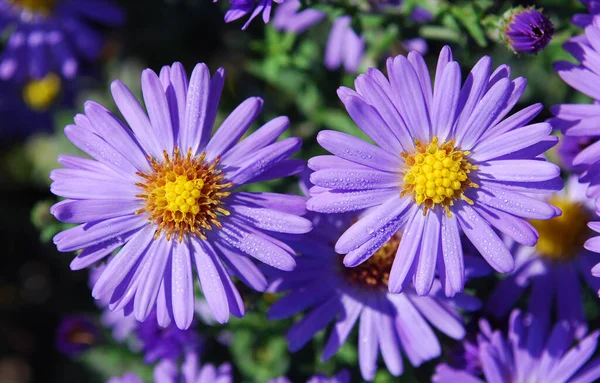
[(527, 30), (342, 377), (167, 371), (528, 354), (446, 161), (344, 47), (164, 191), (241, 8), (559, 255), (75, 334), (579, 120), (584, 19), (390, 323), (287, 18), (170, 342), (53, 35), (128, 377)]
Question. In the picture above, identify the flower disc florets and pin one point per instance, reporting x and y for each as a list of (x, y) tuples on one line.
[(375, 272), (561, 238), (184, 194), (437, 174)]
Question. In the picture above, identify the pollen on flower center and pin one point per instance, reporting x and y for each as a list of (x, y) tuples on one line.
[(375, 272), (39, 95), (184, 194), (437, 174), (37, 6), (562, 237)]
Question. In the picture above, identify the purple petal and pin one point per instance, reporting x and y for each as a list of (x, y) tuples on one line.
[(182, 287), (343, 326), (367, 344), (454, 268), (300, 333), (510, 142), (338, 202), (407, 251), (430, 243), (445, 101), (158, 109)]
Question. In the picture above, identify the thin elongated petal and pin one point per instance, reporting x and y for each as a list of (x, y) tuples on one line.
[(429, 251), (182, 285), (407, 251), (205, 261), (317, 319)]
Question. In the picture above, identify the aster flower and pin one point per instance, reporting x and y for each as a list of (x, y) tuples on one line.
[(164, 191), (529, 354), (445, 161), (75, 334), (167, 371), (344, 47), (579, 120), (342, 377), (559, 255), (128, 377), (160, 343), (53, 35), (241, 8), (287, 18), (527, 30), (584, 19), (390, 323)]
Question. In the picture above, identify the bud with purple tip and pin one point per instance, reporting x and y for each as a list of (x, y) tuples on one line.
[(527, 30)]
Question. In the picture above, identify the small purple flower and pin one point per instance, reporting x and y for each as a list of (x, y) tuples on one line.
[(417, 44), (584, 19), (421, 15), (163, 192), (167, 371), (580, 121), (287, 18), (342, 377), (445, 162), (75, 334), (53, 36), (241, 8), (559, 255), (128, 377), (160, 343), (344, 47), (529, 353), (332, 293), (527, 30)]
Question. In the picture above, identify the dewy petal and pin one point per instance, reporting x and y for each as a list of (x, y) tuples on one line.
[(355, 179), (339, 202), (517, 120), (510, 142), (472, 92), (271, 220), (182, 285), (233, 128), (367, 344), (76, 211), (158, 109), (485, 240), (369, 226), (370, 122), (407, 251), (516, 228), (454, 268), (518, 170), (242, 267), (192, 131), (137, 119), (445, 101), (205, 260), (356, 150), (158, 255), (514, 203), (430, 246)]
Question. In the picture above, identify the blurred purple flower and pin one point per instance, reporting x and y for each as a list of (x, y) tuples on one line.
[(163, 193), (528, 30), (446, 161), (287, 18), (167, 371), (558, 256), (417, 44), (580, 121), (584, 19), (344, 47), (128, 377), (53, 36), (160, 343), (241, 8), (75, 334), (529, 353), (421, 15), (331, 292), (342, 377)]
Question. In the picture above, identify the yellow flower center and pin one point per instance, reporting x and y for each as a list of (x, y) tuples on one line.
[(561, 238), (437, 174), (35, 6), (39, 95), (375, 272), (184, 194)]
